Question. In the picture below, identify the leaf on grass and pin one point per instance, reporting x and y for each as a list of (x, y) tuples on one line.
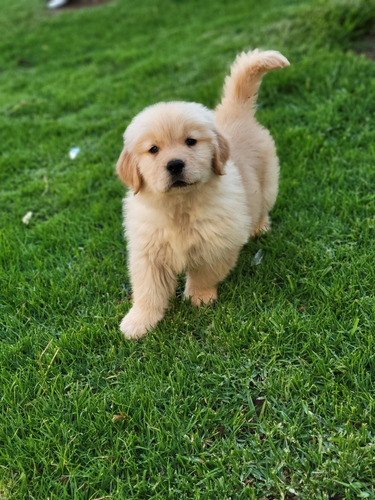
[(119, 417)]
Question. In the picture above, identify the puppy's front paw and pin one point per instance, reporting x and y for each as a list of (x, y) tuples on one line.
[(136, 324), (132, 327)]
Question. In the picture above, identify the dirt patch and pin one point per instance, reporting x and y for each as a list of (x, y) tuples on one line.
[(366, 44), (74, 4)]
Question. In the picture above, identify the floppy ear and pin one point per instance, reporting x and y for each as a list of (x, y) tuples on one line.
[(221, 154), (127, 170)]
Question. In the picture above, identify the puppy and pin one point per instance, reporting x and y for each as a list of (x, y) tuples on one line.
[(201, 183)]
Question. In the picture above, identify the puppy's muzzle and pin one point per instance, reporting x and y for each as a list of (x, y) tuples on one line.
[(175, 167), (176, 172)]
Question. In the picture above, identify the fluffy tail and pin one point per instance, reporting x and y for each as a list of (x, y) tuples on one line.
[(242, 85)]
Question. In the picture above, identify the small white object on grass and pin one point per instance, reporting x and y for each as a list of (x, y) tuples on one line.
[(74, 152), (258, 257), (26, 218), (55, 4)]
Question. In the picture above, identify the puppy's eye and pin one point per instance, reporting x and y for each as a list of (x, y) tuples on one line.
[(190, 141), (153, 150)]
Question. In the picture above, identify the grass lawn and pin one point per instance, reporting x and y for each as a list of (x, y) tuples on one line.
[(269, 394)]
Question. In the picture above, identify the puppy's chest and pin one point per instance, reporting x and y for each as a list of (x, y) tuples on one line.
[(191, 240), (185, 232)]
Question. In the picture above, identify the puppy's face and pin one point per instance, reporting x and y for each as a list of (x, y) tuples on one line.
[(170, 147)]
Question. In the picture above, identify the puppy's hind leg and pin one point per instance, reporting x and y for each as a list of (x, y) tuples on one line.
[(152, 286), (264, 226), (201, 283)]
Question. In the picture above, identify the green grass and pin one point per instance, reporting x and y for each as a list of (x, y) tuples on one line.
[(269, 393)]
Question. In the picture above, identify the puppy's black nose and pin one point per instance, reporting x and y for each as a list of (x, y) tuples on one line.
[(175, 167)]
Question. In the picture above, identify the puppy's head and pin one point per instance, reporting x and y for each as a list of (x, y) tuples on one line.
[(170, 147)]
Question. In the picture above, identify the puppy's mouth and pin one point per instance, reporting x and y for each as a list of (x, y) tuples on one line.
[(181, 184)]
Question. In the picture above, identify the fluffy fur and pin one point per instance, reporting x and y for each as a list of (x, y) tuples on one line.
[(202, 183)]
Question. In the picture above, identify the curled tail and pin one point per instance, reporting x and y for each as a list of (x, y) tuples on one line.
[(242, 85)]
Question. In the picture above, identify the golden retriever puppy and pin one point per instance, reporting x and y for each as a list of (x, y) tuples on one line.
[(201, 183)]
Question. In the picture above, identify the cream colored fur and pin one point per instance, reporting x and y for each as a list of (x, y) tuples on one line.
[(196, 221)]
